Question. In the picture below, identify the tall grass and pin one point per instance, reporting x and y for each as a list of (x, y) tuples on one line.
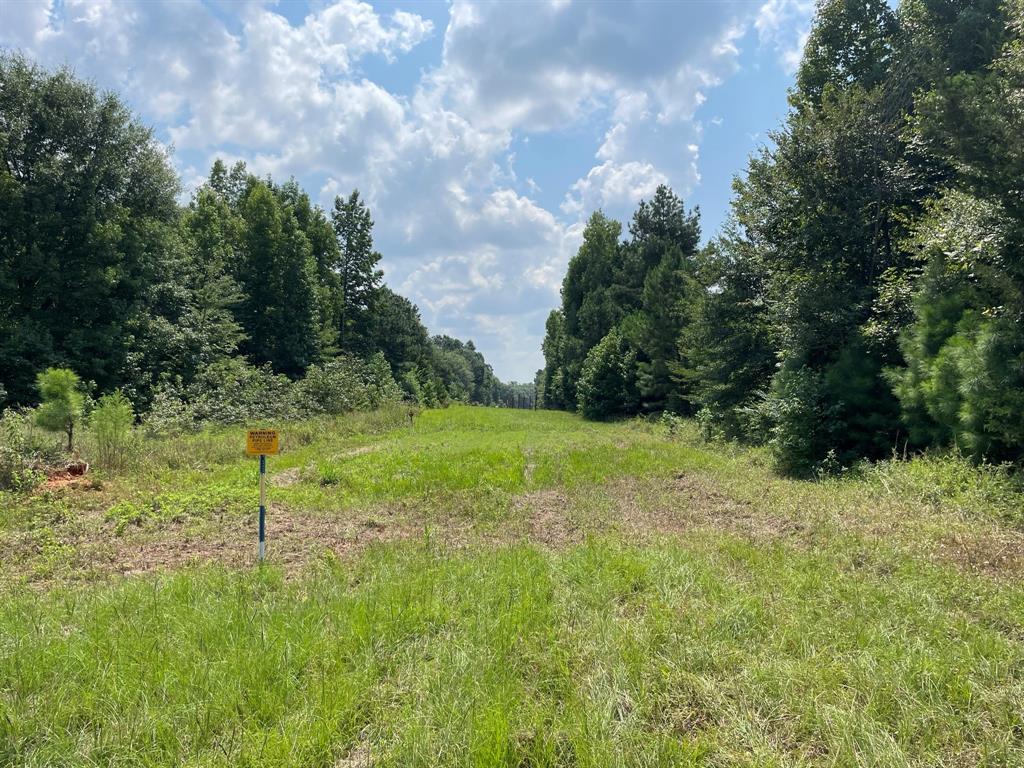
[(835, 637), (706, 652)]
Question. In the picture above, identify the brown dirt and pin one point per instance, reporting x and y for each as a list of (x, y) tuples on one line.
[(63, 480), (68, 473), (546, 520), (997, 552), (293, 540), (359, 757), (640, 508), (689, 502), (286, 477)]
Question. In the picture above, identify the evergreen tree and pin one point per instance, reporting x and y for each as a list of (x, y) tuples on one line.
[(359, 277), (664, 248), (395, 328), (278, 276), (727, 342), (607, 387), (826, 209), (555, 381), (326, 256)]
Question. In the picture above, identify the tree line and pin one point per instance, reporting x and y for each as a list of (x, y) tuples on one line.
[(104, 273), (867, 292)]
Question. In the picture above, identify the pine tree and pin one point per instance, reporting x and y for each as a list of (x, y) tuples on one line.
[(727, 341), (359, 278), (278, 277)]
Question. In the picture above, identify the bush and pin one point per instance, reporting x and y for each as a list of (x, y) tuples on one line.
[(333, 388), (111, 421), (227, 392), (17, 457), (607, 386), (382, 388), (672, 422), (798, 418), (346, 384), (234, 392), (424, 389)]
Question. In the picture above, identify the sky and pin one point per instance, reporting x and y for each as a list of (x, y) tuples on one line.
[(482, 134)]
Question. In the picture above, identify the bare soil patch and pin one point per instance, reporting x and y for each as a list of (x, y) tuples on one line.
[(547, 522), (555, 518), (994, 553), (292, 541), (687, 502)]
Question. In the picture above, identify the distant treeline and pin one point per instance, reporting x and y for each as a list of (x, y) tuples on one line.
[(103, 272), (867, 294)]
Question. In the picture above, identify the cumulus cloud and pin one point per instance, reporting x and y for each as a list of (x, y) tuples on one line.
[(785, 25), (462, 235)]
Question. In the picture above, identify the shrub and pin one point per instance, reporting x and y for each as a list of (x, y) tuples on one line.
[(672, 422), (17, 459), (424, 389), (227, 392), (381, 385), (798, 417), (333, 388), (346, 384), (607, 386), (63, 403), (111, 421), (234, 392)]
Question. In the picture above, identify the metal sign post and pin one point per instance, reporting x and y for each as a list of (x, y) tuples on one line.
[(261, 442), (263, 506)]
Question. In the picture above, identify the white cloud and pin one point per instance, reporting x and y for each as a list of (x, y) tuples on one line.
[(784, 25), (462, 235)]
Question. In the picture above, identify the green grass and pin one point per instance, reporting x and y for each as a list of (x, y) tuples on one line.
[(703, 613)]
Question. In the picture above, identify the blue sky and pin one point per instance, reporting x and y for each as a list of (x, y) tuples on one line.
[(482, 133)]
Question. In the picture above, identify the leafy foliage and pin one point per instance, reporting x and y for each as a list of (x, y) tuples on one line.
[(641, 286), (868, 292), (87, 218), (102, 272), (608, 385), (233, 392), (17, 457)]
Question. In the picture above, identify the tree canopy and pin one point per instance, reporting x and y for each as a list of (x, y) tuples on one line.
[(868, 292), (105, 274)]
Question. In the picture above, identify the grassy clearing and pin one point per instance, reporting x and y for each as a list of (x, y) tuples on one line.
[(512, 588)]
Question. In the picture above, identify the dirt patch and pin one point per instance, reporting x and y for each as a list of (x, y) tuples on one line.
[(286, 478), (546, 519), (994, 552), (69, 473), (292, 541), (359, 757), (687, 502), (640, 509), (64, 480)]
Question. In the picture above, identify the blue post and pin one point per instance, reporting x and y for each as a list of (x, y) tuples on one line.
[(263, 505)]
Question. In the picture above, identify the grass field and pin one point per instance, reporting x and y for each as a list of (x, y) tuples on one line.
[(493, 587)]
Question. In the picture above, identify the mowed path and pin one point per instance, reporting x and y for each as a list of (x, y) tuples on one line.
[(493, 587)]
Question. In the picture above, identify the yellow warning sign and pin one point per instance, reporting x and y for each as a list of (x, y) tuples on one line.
[(260, 441)]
